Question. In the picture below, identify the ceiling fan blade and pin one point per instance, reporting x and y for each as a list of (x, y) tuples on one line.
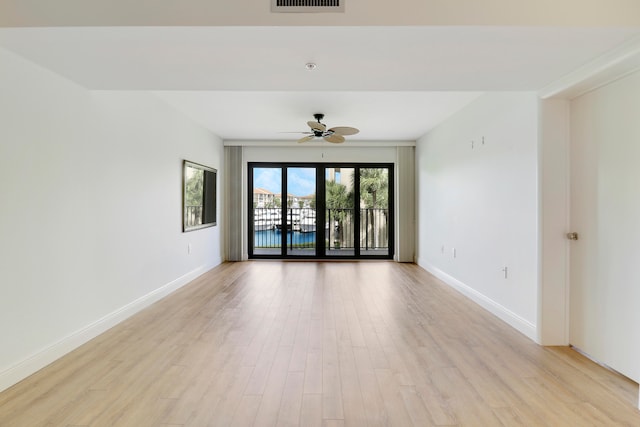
[(334, 138), (316, 126), (306, 138), (344, 130)]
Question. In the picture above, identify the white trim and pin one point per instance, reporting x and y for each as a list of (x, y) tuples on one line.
[(318, 143), (540, 221), (39, 360), (525, 327), (567, 221), (611, 66), (553, 146)]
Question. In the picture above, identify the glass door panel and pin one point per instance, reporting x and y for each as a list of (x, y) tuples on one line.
[(374, 211), (340, 226), (320, 210), (264, 217), (301, 227)]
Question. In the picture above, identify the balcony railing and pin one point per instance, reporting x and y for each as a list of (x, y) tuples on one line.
[(339, 230), (374, 229)]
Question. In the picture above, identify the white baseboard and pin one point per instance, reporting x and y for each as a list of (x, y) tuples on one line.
[(39, 360), (524, 326)]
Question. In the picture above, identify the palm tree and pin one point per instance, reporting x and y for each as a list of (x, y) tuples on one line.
[(374, 193), (340, 201)]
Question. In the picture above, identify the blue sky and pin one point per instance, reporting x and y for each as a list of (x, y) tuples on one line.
[(301, 181)]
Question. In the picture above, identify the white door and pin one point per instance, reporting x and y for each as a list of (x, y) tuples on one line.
[(605, 212)]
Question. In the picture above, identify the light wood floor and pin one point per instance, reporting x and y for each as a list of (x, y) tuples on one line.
[(311, 344)]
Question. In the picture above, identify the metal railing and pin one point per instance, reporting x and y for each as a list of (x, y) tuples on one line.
[(339, 232), (374, 229)]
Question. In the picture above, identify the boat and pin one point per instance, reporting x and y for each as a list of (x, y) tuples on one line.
[(293, 221), (308, 223), (263, 221), (262, 225)]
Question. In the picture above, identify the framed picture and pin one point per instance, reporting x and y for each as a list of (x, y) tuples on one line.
[(199, 208)]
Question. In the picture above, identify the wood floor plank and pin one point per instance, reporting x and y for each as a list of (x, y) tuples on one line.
[(246, 413), (390, 389), (466, 404), (291, 403), (371, 396), (313, 374), (332, 408), (352, 401), (436, 405), (318, 344), (311, 411), (273, 391), (231, 399), (415, 406)]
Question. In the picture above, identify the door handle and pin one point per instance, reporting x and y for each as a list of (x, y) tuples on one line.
[(572, 236)]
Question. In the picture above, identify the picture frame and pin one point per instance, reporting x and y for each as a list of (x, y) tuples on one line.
[(199, 194)]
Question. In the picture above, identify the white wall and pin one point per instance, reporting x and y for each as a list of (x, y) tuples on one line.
[(553, 309), (483, 202), (605, 212), (319, 152), (90, 211)]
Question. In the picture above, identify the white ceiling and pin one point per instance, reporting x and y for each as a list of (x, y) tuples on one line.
[(250, 83)]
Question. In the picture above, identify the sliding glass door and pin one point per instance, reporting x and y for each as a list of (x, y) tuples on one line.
[(301, 224), (374, 211), (320, 211), (340, 211), (265, 214)]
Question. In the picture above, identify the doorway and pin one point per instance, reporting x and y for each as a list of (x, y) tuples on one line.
[(320, 210)]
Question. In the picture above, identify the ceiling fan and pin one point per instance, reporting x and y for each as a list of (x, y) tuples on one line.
[(319, 130)]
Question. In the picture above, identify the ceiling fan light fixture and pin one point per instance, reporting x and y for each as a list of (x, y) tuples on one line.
[(319, 130)]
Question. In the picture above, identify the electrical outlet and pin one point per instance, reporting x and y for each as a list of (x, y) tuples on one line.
[(453, 251), (442, 249), (189, 248)]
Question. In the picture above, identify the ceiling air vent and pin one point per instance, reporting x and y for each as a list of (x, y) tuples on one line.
[(307, 6)]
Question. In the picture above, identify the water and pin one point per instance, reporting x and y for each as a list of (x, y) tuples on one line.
[(272, 238)]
